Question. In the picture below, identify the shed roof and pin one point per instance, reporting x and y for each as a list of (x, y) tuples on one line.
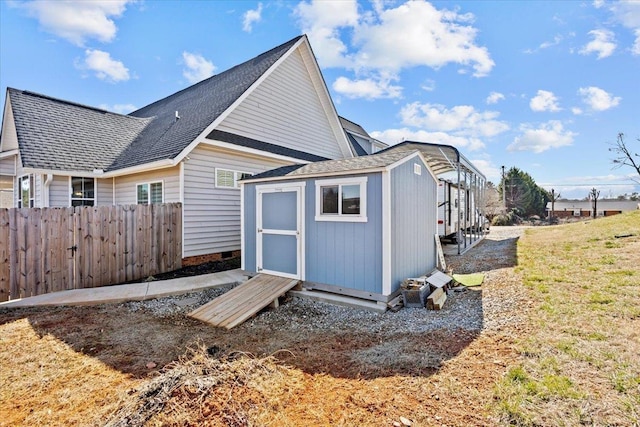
[(328, 167)]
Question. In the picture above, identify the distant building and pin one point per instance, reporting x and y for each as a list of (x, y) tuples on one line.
[(584, 208)]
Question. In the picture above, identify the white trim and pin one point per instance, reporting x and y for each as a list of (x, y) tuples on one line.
[(70, 190), (113, 191), (238, 101), (236, 178), (319, 175), (147, 167), (5, 154), (160, 181), (336, 126), (242, 244), (251, 151), (32, 191), (361, 181), (45, 190), (386, 233), (181, 199), (299, 189)]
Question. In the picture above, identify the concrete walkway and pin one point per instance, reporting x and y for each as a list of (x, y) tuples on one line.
[(130, 292)]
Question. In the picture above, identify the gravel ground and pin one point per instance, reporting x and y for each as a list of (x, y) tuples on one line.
[(491, 306)]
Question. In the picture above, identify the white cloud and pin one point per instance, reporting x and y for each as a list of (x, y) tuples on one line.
[(544, 101), (429, 85), (436, 38), (548, 135), (494, 98), (577, 111), (598, 99), (603, 43), (367, 88), (105, 67), (77, 21), (636, 45), (381, 39), (250, 17), (395, 136), (119, 108), (464, 120), (197, 67), (321, 21), (491, 171)]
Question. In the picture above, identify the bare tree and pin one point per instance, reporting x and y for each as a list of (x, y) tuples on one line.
[(625, 155), (593, 197), (554, 199)]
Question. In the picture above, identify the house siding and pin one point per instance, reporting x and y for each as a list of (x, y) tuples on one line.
[(8, 166), (126, 186), (9, 136), (212, 215), (59, 192), (413, 222), (285, 110), (346, 254)]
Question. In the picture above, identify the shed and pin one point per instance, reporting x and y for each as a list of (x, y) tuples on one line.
[(356, 227)]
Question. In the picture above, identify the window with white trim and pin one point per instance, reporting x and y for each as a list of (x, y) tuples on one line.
[(341, 199), (226, 178), (26, 188), (149, 193), (83, 191)]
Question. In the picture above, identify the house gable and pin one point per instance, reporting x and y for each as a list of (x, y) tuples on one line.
[(9, 135), (286, 109)]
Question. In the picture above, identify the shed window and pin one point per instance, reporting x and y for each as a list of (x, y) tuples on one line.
[(149, 193), (26, 187), (226, 178), (82, 191), (341, 200)]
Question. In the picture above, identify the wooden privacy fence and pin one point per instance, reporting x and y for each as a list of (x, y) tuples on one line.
[(54, 249)]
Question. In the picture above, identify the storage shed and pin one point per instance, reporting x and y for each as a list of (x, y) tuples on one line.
[(355, 227)]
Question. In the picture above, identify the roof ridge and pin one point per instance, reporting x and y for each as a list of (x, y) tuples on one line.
[(227, 71), (71, 103)]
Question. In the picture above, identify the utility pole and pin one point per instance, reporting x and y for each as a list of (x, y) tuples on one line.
[(593, 196), (553, 202)]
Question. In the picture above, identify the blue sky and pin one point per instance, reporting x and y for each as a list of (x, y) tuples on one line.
[(542, 86)]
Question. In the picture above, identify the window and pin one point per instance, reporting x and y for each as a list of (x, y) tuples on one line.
[(228, 178), (82, 191), (341, 200), (26, 187), (149, 193)]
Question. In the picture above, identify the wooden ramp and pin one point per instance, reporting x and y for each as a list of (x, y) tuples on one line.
[(240, 303)]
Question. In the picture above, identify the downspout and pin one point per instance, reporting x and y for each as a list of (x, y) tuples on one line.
[(45, 190)]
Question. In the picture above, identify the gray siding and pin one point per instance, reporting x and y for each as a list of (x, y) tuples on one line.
[(8, 166), (59, 192), (413, 222), (346, 254), (212, 215), (126, 186), (104, 192), (285, 110)]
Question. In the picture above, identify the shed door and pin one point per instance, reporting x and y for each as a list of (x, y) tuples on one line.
[(279, 240)]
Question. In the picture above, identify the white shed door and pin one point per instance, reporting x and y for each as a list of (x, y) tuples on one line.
[(279, 240)]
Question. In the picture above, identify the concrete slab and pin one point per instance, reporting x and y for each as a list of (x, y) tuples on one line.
[(130, 292), (340, 300)]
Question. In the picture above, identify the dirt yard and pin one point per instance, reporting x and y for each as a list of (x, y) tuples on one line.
[(352, 366)]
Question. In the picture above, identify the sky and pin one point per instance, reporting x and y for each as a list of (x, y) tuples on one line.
[(544, 86)]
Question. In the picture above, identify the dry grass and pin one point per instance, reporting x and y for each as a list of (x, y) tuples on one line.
[(566, 355), (581, 365)]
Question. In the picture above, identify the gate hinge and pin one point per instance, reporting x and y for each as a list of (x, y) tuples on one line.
[(73, 249)]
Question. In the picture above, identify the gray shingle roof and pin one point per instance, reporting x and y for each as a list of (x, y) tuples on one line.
[(61, 135), (373, 161), (198, 106), (243, 141)]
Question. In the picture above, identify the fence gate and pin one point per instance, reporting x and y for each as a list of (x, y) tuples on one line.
[(54, 249)]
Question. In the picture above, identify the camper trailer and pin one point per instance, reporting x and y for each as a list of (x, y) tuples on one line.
[(457, 212)]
